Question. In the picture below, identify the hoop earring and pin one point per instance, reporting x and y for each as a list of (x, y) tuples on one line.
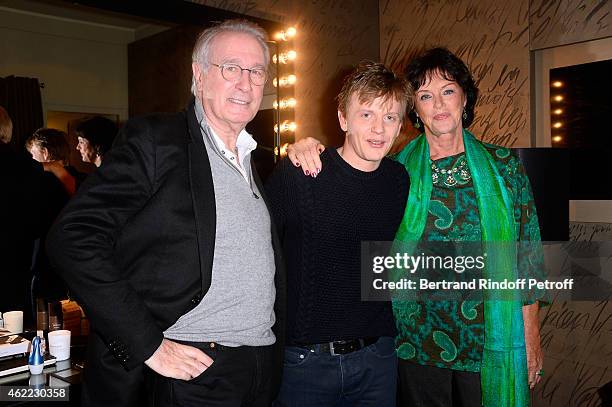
[(417, 123)]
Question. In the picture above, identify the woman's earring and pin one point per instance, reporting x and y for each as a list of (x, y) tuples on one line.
[(417, 123), (464, 114)]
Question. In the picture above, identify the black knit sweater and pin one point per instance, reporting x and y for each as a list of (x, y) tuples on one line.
[(322, 222)]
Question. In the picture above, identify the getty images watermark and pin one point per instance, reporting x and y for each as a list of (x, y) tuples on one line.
[(462, 270), (403, 262)]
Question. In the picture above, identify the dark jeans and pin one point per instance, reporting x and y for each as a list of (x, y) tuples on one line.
[(429, 386), (366, 377), (238, 377)]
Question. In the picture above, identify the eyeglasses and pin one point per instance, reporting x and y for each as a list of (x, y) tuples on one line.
[(233, 73)]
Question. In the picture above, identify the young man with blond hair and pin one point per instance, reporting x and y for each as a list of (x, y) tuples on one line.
[(340, 350)]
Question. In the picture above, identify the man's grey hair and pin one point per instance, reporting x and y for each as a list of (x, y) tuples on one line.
[(201, 49), (6, 126)]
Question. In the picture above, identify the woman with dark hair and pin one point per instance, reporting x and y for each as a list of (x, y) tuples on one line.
[(95, 137), (488, 353), (457, 352)]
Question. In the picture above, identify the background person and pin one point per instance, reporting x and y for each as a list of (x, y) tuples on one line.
[(95, 137), (49, 147), (21, 179), (31, 198)]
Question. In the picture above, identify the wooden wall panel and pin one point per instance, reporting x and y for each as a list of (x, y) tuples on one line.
[(159, 71)]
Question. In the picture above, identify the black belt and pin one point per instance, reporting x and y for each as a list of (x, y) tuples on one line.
[(341, 347)]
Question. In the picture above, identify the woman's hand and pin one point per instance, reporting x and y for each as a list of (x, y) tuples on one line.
[(305, 153), (535, 357)]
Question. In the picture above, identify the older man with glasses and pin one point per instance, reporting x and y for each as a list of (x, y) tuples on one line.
[(170, 249)]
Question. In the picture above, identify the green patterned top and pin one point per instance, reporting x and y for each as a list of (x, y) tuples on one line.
[(450, 334)]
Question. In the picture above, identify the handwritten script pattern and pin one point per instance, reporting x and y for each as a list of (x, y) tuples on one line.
[(490, 36), (577, 341), (554, 23)]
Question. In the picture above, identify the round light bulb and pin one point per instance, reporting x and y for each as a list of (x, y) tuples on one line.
[(283, 150)]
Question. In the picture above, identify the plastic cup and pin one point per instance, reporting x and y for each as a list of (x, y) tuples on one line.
[(59, 344), (13, 321)]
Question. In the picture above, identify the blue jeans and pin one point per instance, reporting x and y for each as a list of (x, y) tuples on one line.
[(367, 377)]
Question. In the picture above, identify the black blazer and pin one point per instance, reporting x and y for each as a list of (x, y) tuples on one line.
[(136, 243)]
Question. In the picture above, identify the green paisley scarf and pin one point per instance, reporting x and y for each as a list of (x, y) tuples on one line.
[(504, 362)]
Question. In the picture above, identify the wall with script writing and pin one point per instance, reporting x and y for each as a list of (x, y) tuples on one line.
[(577, 341), (494, 38)]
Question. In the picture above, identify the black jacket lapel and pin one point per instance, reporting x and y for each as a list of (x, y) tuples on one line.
[(203, 195)]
